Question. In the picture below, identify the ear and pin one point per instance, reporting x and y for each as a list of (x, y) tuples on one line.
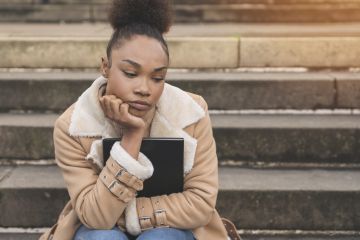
[(104, 67)]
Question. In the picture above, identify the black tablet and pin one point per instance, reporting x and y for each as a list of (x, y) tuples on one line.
[(167, 157)]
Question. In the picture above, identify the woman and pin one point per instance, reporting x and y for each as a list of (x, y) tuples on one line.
[(132, 100)]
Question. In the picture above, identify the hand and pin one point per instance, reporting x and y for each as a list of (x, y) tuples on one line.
[(118, 111)]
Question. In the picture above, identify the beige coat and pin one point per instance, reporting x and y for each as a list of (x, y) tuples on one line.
[(100, 205)]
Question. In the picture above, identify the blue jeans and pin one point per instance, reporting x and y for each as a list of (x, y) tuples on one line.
[(84, 233)]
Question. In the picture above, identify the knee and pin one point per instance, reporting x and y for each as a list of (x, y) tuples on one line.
[(155, 233), (95, 234), (166, 233), (109, 235)]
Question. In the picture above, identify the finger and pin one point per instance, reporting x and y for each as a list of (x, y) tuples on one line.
[(124, 112), (119, 100), (107, 105), (111, 97), (114, 98), (127, 116), (115, 107)]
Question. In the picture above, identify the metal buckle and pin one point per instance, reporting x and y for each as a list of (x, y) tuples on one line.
[(159, 219), (159, 211), (144, 218), (120, 172), (112, 184)]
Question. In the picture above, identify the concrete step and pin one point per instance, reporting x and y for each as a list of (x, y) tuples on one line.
[(187, 11), (207, 45), (215, 52), (305, 13), (20, 234), (189, 2), (242, 139), (259, 199), (204, 52), (303, 236), (87, 30), (56, 90)]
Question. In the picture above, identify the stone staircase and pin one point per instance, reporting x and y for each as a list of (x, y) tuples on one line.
[(188, 11), (285, 114)]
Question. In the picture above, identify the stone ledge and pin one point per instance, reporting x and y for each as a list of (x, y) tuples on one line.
[(55, 91), (190, 52), (218, 52), (225, 10), (259, 199), (308, 52), (270, 138)]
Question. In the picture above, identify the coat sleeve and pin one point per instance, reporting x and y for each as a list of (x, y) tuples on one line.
[(195, 206), (99, 199)]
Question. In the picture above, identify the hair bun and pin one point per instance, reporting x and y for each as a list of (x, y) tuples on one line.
[(155, 13)]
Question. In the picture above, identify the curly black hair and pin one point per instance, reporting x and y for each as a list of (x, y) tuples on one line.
[(151, 18)]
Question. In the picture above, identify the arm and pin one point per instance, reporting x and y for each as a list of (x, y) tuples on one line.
[(195, 206), (96, 205)]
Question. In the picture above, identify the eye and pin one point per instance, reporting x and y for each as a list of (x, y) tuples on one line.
[(130, 74), (158, 79)]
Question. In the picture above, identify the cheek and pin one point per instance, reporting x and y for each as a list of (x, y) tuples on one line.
[(158, 89), (117, 85)]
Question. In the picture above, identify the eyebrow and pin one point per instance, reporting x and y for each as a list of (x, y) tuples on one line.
[(137, 65), (159, 69)]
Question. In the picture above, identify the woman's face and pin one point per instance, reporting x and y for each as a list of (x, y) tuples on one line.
[(137, 73)]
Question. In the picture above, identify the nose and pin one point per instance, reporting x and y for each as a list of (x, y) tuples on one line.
[(143, 87)]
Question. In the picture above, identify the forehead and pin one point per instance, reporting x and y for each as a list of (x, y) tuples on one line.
[(146, 51)]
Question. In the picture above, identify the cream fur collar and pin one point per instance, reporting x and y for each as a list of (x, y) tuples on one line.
[(175, 110)]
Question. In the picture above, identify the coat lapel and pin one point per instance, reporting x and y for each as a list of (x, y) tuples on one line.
[(175, 111)]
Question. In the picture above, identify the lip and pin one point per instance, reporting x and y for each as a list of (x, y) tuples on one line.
[(140, 105)]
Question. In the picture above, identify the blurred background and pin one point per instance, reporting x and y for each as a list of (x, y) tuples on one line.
[(282, 81)]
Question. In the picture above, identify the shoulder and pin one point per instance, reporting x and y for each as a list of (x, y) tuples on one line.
[(63, 121), (62, 137), (202, 123), (199, 100)]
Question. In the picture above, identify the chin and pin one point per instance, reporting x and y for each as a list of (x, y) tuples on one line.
[(137, 113)]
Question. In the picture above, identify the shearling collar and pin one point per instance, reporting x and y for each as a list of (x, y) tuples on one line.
[(175, 111)]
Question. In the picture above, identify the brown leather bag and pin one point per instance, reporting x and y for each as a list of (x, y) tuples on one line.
[(231, 229)]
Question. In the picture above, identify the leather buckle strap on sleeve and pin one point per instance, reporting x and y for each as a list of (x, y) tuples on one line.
[(121, 191), (145, 223), (159, 212), (124, 176)]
